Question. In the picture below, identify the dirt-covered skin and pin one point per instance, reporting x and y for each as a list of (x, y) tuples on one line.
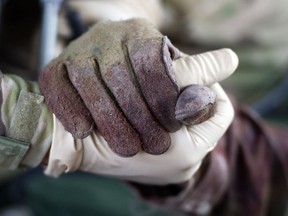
[(119, 76)]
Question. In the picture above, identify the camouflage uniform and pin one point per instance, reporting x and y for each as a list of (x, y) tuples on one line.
[(27, 120)]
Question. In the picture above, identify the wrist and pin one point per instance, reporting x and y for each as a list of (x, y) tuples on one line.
[(27, 121)]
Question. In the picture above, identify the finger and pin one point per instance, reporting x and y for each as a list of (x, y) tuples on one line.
[(121, 81), (151, 60), (206, 134), (110, 121), (64, 101), (206, 68)]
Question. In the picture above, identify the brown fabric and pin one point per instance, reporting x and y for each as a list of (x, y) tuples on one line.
[(245, 175), (249, 157), (279, 137)]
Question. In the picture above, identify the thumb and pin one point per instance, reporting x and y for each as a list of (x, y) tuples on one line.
[(205, 68)]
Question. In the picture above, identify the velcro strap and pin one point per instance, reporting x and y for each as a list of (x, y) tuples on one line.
[(12, 152), (14, 147)]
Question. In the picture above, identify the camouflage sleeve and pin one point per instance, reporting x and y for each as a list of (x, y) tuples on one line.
[(25, 118)]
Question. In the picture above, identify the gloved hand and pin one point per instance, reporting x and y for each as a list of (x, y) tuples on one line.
[(117, 86), (99, 72)]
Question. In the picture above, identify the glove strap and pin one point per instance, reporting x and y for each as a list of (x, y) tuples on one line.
[(15, 146)]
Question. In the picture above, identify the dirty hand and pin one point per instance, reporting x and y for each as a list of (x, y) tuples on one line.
[(129, 88)]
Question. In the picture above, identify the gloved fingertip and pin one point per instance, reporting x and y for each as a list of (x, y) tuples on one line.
[(157, 144), (231, 57), (81, 134), (62, 99), (125, 150)]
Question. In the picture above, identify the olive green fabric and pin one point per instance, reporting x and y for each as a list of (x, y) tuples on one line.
[(26, 116), (81, 194)]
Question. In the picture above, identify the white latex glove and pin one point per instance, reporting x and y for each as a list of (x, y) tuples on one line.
[(189, 145)]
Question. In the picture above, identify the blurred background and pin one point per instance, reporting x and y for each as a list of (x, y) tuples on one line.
[(32, 32)]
